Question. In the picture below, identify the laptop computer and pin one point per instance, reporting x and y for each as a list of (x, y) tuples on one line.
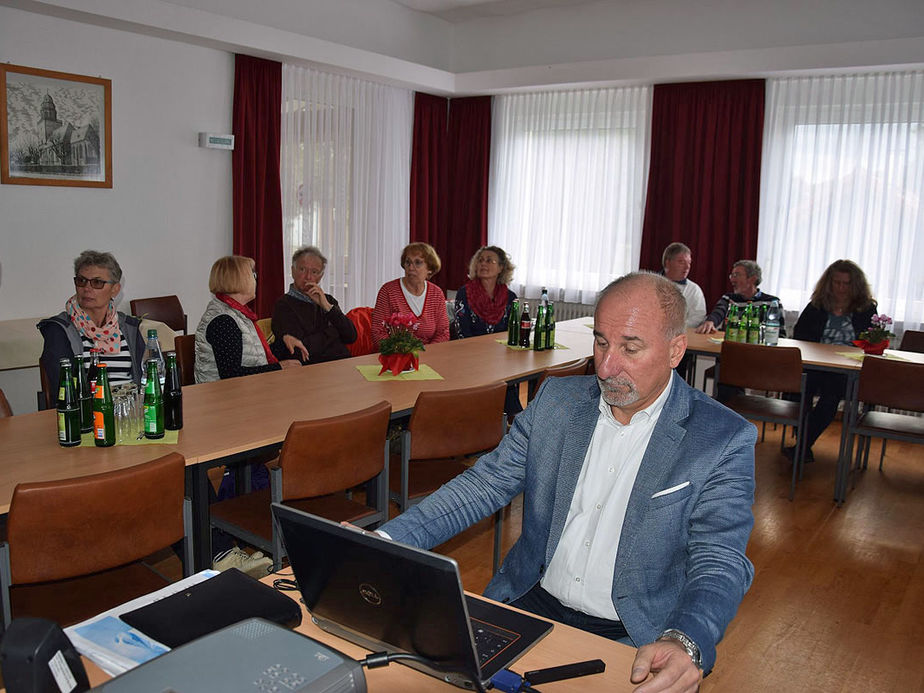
[(387, 596)]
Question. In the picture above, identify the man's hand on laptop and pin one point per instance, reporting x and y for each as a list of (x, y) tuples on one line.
[(669, 664)]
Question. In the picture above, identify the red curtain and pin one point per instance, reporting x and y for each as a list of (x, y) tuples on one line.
[(257, 191), (704, 178), (449, 180)]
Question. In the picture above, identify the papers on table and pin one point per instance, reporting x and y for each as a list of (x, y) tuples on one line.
[(112, 644)]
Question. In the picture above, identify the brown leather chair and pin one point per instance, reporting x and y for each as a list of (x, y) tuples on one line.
[(266, 327), (446, 427), (165, 309), (319, 463), (766, 369), (46, 396), (185, 346), (893, 384), (579, 367), (75, 546), (5, 409), (913, 340)]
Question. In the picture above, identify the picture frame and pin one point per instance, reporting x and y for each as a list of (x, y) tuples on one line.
[(55, 128)]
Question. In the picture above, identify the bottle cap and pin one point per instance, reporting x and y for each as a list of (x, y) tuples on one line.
[(152, 333)]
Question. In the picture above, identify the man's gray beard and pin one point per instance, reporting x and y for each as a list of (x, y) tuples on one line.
[(616, 398)]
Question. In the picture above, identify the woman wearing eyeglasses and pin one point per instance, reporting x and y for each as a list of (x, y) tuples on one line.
[(414, 294), (228, 342), (483, 302), (90, 321)]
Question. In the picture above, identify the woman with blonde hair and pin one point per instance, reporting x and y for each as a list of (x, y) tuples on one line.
[(228, 341), (483, 302)]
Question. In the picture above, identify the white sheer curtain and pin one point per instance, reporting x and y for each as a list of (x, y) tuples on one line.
[(346, 158), (843, 177), (567, 189)]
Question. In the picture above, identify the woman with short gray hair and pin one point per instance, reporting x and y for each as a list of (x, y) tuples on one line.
[(91, 321)]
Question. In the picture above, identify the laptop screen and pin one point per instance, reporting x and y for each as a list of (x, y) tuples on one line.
[(382, 594)]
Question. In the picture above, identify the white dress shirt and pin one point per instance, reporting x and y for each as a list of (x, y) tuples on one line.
[(580, 574), (696, 303)]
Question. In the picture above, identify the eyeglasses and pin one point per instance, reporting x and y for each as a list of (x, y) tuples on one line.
[(254, 272), (737, 275), (488, 260), (96, 282), (414, 263)]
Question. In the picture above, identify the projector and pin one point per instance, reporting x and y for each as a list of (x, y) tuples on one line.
[(253, 656)]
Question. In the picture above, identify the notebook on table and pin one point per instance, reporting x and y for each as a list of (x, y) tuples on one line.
[(387, 596)]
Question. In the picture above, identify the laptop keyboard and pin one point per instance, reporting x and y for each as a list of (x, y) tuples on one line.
[(490, 640)]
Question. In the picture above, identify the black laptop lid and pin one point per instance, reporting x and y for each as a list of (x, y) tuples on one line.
[(403, 598)]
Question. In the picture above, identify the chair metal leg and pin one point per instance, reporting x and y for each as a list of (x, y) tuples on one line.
[(276, 497), (882, 454), (498, 537)]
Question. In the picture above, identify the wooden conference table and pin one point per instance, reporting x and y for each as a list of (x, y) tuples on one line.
[(563, 645), (228, 420), (816, 357)]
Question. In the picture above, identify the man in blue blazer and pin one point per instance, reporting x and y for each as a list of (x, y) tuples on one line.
[(637, 496)]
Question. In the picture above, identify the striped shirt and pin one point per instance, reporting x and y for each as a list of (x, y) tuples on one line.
[(119, 365)]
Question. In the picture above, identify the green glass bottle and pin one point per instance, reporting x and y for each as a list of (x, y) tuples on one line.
[(732, 323), (539, 333), (753, 323), (84, 394), (550, 327), (68, 407), (104, 430), (513, 324), (173, 395), (153, 402)]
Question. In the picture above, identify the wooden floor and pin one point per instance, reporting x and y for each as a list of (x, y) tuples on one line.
[(837, 602)]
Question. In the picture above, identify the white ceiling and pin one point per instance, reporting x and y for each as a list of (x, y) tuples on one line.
[(464, 10)]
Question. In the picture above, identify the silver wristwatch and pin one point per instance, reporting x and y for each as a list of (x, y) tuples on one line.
[(687, 642)]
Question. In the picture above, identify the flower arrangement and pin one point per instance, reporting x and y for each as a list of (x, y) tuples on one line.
[(875, 340), (398, 351)]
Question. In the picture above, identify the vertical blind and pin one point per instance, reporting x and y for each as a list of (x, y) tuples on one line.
[(346, 150), (567, 187), (843, 177)]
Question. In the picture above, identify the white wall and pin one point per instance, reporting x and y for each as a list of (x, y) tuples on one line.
[(168, 214)]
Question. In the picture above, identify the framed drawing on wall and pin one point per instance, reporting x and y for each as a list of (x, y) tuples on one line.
[(55, 128)]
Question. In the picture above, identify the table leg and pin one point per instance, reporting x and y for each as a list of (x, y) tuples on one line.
[(197, 489), (845, 451)]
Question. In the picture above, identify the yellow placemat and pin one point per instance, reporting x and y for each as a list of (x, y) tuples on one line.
[(529, 348), (716, 340), (424, 372), (859, 356), (170, 438)]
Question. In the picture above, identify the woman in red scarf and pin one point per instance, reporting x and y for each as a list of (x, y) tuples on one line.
[(483, 302), (228, 341)]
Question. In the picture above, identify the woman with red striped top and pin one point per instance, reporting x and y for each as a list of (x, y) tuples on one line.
[(414, 294)]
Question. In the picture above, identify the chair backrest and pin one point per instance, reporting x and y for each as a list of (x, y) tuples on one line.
[(328, 455), (361, 318), (579, 367), (453, 423), (771, 368), (185, 345), (72, 527), (166, 309), (913, 340), (891, 383), (48, 394), (266, 327), (5, 409)]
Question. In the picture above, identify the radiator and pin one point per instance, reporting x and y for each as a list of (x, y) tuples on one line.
[(564, 310)]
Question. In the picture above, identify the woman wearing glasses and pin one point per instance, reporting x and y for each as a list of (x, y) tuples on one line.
[(228, 342), (90, 321), (483, 302), (414, 294)]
